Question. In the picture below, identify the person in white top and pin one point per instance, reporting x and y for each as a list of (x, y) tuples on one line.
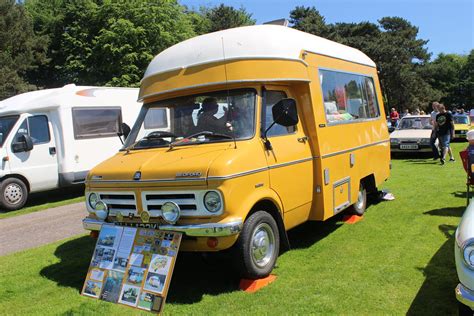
[(434, 148)]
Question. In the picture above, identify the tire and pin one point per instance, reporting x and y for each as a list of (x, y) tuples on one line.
[(258, 246), (358, 208), (464, 310), (13, 194)]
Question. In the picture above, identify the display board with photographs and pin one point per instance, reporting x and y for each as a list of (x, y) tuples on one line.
[(132, 266)]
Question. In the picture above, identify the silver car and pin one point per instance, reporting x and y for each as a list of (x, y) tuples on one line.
[(464, 254)]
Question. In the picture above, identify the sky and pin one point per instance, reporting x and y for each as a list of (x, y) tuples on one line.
[(447, 24)]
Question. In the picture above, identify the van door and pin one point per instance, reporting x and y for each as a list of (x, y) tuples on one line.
[(290, 162), (39, 165)]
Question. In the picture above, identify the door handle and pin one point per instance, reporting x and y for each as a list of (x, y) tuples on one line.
[(303, 139), (52, 150)]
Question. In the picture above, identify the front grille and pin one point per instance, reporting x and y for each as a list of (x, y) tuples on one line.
[(185, 201), (120, 202)]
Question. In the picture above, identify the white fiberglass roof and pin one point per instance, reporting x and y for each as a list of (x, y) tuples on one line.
[(67, 96), (250, 42)]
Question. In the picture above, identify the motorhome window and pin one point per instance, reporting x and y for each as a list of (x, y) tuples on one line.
[(226, 114), (348, 97), (6, 125), (96, 122), (156, 118), (271, 98), (22, 130), (39, 129)]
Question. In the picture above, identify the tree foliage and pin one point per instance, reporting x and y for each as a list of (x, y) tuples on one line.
[(309, 20), (20, 49), (106, 42), (224, 17)]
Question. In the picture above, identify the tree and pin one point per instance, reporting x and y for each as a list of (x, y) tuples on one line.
[(467, 81), (106, 42), (225, 17), (309, 20), (20, 49)]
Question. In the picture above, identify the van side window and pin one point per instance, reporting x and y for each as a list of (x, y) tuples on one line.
[(96, 122), (36, 127), (348, 96), (271, 98), (39, 129)]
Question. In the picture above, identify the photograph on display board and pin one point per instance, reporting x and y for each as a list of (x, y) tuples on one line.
[(112, 286), (129, 295), (92, 288), (136, 259), (135, 275), (160, 264), (155, 282), (120, 263), (109, 236), (107, 260), (97, 274)]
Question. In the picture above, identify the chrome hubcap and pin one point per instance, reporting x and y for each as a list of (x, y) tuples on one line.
[(262, 245), (360, 200), (13, 193)]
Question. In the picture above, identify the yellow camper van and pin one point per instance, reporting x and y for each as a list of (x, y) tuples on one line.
[(267, 128)]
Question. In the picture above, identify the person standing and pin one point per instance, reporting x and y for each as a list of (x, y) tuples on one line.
[(445, 128), (394, 117), (433, 137)]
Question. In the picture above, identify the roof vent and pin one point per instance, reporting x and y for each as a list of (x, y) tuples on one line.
[(282, 22)]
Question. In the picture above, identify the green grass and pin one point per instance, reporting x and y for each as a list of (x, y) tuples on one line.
[(44, 200), (397, 260)]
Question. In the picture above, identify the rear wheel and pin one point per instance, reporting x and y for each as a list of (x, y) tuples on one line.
[(13, 194), (360, 205), (258, 246)]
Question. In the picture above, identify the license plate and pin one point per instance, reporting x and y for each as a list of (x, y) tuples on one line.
[(409, 146), (139, 225)]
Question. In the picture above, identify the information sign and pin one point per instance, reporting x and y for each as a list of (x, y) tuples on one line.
[(132, 266)]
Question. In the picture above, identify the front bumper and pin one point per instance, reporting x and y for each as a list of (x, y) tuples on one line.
[(465, 296), (200, 230)]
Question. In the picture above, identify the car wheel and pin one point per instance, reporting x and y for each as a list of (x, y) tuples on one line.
[(258, 246), (13, 194), (464, 310), (360, 205)]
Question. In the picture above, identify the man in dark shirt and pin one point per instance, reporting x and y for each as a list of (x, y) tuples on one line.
[(445, 131)]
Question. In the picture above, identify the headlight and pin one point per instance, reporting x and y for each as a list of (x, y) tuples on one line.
[(101, 210), (212, 201), (170, 212), (93, 198), (468, 254), (425, 141), (394, 141)]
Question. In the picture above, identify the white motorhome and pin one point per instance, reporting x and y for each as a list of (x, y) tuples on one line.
[(52, 138)]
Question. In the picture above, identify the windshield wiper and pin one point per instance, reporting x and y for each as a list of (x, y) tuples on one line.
[(202, 133)]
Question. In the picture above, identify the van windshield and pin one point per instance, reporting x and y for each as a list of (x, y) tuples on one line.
[(6, 125), (202, 118)]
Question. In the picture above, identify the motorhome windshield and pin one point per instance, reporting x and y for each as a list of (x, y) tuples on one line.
[(203, 118), (6, 125)]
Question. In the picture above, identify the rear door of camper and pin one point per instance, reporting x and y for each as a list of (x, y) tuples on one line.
[(39, 165)]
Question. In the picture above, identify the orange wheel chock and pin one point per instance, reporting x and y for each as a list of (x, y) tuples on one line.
[(252, 286), (352, 219)]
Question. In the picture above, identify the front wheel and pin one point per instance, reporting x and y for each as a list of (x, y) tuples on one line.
[(361, 204), (258, 246), (13, 194)]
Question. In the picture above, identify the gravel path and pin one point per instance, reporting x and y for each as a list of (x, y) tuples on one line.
[(40, 228)]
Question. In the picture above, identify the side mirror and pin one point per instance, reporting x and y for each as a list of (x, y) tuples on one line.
[(24, 144), (124, 131), (285, 113)]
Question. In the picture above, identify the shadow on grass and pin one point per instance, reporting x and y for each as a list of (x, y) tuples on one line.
[(414, 157), (447, 211), (436, 295), (75, 256), (53, 196), (195, 274)]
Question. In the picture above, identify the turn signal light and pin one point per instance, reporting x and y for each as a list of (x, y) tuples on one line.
[(212, 242)]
